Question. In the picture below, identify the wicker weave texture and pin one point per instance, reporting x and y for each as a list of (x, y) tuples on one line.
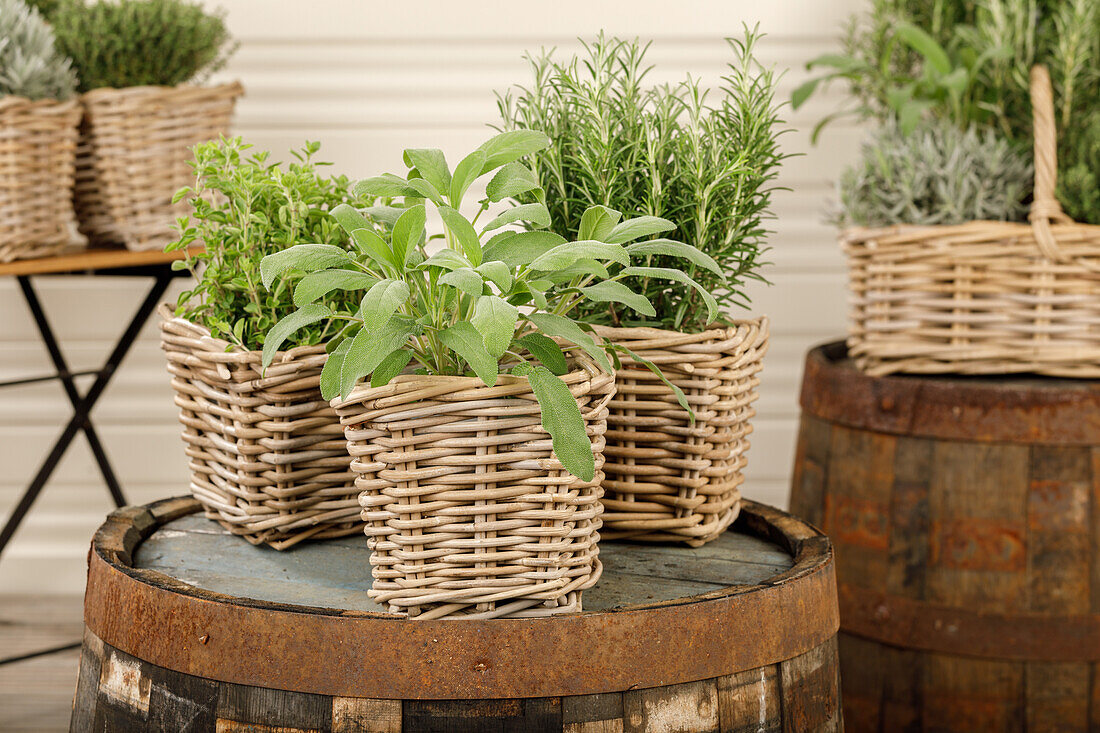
[(37, 164), (134, 152), (668, 480), (267, 454), (468, 512), (981, 297)]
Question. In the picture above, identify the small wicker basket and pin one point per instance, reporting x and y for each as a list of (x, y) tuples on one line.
[(469, 513), (37, 162), (267, 453), (982, 297), (668, 480), (135, 147)]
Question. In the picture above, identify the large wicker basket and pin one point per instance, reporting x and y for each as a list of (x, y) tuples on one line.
[(668, 480), (982, 297), (37, 154), (267, 453), (469, 513), (135, 147)]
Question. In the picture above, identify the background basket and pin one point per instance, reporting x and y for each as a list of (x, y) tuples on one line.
[(267, 453), (666, 479), (134, 153), (982, 297), (37, 159), (468, 511)]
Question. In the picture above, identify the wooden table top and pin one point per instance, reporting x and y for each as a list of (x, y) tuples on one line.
[(336, 573), (93, 258)]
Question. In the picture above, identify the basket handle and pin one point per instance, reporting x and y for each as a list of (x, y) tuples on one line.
[(1045, 208)]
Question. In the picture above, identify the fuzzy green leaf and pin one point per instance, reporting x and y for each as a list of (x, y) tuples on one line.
[(495, 319), (561, 416), (672, 248), (535, 214), (578, 269), (612, 291), (467, 171), (924, 44), (304, 257), (511, 180), (638, 227), (498, 273), (516, 249), (679, 393), (330, 373), (370, 347), (382, 301), (431, 165), (666, 273), (390, 367), (570, 253), (387, 215), (424, 189), (463, 339), (448, 259), (408, 231), (386, 184), (597, 222), (510, 146), (369, 243), (555, 325), (545, 350), (804, 91), (319, 284), (300, 318), (463, 231), (465, 279)]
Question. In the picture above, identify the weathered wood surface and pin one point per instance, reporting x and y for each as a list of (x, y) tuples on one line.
[(93, 258), (968, 570), (768, 552)]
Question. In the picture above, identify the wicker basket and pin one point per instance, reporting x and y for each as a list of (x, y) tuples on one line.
[(135, 147), (37, 154), (982, 297), (469, 514), (666, 479), (267, 454)]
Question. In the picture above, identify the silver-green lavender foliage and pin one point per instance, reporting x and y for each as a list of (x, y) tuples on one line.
[(937, 174), (30, 65)]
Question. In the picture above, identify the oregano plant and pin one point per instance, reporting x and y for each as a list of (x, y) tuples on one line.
[(490, 300)]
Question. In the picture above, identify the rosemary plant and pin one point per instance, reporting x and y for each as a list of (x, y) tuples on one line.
[(705, 161), (245, 207), (491, 299)]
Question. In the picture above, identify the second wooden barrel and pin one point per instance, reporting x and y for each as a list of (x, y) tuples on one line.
[(188, 628), (965, 516)]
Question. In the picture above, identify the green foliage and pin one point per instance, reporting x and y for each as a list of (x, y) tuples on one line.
[(492, 299), (707, 163), (935, 174), (46, 8), (30, 64), (126, 43), (245, 208), (990, 47)]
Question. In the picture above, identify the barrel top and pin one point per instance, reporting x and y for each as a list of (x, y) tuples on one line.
[(336, 573), (1027, 409), (173, 589)]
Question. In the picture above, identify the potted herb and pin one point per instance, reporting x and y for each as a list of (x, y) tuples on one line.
[(706, 162), (482, 493), (945, 274), (266, 452), (139, 63), (38, 120)]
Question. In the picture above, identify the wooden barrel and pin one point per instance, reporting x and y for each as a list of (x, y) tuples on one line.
[(965, 515), (188, 628)]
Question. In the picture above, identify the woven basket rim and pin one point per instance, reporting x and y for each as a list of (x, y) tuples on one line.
[(649, 332), (13, 102), (856, 234), (235, 86), (167, 312)]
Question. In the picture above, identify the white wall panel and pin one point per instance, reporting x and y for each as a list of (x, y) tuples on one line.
[(368, 79)]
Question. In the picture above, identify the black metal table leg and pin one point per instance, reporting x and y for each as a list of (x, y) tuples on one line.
[(83, 407), (66, 380)]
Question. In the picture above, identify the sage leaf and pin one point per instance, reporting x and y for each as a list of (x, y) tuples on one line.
[(370, 347), (387, 215), (672, 248), (467, 171), (568, 254), (463, 339), (679, 393), (497, 273), (597, 223), (545, 350), (330, 373), (641, 226), (431, 164), (448, 259), (462, 230), (677, 276), (382, 301), (517, 249), (561, 416), (300, 318), (408, 231), (424, 189), (369, 243), (464, 279), (306, 257), (612, 291), (386, 185), (510, 146), (390, 367), (555, 325), (535, 214), (319, 284), (495, 319), (510, 181)]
